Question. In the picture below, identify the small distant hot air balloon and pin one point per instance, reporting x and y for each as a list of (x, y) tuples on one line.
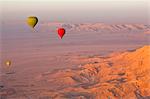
[(32, 21), (8, 63), (61, 32)]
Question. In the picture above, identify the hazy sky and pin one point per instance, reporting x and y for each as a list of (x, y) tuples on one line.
[(109, 11)]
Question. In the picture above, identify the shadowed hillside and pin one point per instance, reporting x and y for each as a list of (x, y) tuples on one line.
[(119, 75)]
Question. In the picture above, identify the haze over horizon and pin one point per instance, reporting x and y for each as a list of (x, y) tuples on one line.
[(77, 11)]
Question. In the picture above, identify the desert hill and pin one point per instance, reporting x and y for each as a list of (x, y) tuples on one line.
[(118, 76)]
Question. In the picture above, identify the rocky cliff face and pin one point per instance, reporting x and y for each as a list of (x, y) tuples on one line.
[(118, 76)]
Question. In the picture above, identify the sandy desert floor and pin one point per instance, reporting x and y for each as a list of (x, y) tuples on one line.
[(121, 75)]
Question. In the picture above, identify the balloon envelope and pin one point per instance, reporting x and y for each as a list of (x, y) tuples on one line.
[(8, 63), (32, 21), (61, 32)]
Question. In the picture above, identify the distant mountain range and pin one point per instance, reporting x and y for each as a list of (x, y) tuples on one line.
[(96, 27)]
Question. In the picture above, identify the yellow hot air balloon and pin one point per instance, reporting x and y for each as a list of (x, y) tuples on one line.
[(32, 21), (8, 63)]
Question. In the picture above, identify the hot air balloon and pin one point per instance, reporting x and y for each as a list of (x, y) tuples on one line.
[(61, 32), (32, 21), (8, 63)]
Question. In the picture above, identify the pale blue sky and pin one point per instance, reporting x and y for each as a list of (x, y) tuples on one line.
[(109, 11)]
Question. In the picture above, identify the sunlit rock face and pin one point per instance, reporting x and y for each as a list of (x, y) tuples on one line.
[(120, 75)]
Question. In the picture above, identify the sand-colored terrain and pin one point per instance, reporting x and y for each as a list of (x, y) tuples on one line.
[(78, 66), (118, 76), (123, 75)]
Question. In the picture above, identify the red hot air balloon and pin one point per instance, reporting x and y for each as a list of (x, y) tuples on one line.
[(61, 32)]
